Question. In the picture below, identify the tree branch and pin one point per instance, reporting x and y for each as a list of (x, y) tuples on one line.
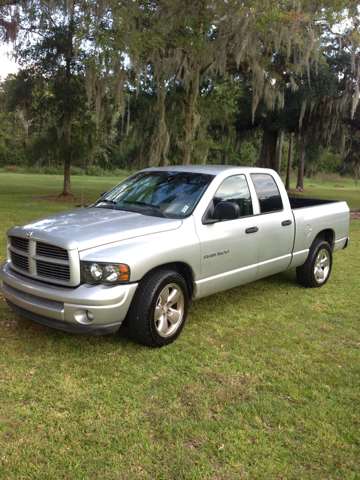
[(5, 3)]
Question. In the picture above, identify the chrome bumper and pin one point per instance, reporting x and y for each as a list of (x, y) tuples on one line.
[(94, 309)]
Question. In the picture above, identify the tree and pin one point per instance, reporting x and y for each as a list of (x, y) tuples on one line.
[(7, 21), (15, 100), (348, 141), (179, 48), (49, 56), (183, 46)]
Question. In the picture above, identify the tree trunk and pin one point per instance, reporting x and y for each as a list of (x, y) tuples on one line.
[(356, 171), (189, 118), (268, 149), (281, 138), (91, 150), (287, 182), (67, 183), (187, 130), (67, 163), (300, 179), (160, 138), (67, 119)]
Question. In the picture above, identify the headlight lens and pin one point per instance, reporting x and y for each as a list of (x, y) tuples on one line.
[(96, 271), (108, 273)]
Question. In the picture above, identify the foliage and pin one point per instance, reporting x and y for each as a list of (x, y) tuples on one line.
[(183, 85)]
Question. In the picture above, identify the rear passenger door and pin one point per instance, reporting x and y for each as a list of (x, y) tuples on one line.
[(276, 227)]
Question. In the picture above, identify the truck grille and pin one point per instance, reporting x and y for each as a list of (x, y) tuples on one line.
[(40, 260), (51, 251), (46, 269), (20, 243), (19, 261)]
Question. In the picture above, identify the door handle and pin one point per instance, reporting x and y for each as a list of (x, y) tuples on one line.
[(251, 230), (285, 223)]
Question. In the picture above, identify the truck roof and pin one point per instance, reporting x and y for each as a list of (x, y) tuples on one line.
[(211, 169)]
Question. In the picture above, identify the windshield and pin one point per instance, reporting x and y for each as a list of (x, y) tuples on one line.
[(159, 193)]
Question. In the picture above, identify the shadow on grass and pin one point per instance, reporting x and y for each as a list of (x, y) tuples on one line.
[(238, 297)]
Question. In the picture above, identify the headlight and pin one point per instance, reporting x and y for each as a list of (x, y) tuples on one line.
[(108, 273)]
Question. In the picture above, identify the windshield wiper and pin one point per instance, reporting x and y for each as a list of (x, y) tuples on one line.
[(110, 202), (154, 208)]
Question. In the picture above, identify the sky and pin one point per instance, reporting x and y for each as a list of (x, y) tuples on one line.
[(6, 65)]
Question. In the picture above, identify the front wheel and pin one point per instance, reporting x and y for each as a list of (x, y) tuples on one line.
[(159, 308), (316, 270)]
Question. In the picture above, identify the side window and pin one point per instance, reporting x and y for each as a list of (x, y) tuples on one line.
[(235, 189), (267, 192)]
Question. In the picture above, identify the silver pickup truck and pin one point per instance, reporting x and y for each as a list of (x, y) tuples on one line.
[(160, 238)]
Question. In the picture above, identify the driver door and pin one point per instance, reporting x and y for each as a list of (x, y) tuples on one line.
[(229, 249)]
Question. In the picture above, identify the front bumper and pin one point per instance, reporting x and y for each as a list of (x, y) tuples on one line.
[(92, 309)]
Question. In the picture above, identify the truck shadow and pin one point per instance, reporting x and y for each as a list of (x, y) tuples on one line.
[(282, 288)]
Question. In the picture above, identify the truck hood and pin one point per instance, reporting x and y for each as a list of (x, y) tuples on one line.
[(92, 227)]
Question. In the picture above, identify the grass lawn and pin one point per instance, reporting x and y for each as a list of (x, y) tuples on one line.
[(263, 383), (331, 187)]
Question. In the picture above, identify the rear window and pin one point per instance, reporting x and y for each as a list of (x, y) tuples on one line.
[(267, 192)]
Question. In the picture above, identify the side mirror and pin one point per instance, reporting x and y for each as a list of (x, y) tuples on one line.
[(102, 194), (226, 211)]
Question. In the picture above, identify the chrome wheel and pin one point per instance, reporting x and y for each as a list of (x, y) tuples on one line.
[(169, 310), (322, 266), (315, 272), (159, 308)]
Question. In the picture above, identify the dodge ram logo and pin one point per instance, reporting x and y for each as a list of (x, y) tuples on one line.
[(29, 234), (216, 254)]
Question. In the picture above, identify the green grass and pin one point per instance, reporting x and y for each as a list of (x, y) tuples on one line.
[(263, 382), (331, 187), (18, 205)]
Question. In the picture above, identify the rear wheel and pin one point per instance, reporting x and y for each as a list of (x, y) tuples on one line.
[(316, 270), (159, 308)]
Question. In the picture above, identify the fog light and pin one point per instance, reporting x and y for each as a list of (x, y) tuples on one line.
[(85, 317)]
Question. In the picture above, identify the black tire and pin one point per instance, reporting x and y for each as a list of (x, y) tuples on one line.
[(316, 270), (153, 309)]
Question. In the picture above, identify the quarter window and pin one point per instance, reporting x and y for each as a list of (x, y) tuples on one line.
[(267, 192), (235, 189)]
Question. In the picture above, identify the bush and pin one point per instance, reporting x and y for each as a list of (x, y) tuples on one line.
[(118, 172), (95, 171), (53, 170), (11, 168), (91, 170), (77, 170)]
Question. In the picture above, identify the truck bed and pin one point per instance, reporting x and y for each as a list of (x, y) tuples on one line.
[(302, 202)]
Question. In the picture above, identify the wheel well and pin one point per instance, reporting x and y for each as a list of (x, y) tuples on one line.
[(186, 273), (328, 236)]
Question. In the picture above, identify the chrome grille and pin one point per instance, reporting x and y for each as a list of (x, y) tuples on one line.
[(51, 251), (51, 270), (19, 261), (20, 243), (43, 261)]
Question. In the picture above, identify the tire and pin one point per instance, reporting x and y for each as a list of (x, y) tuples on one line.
[(159, 308), (316, 270)]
